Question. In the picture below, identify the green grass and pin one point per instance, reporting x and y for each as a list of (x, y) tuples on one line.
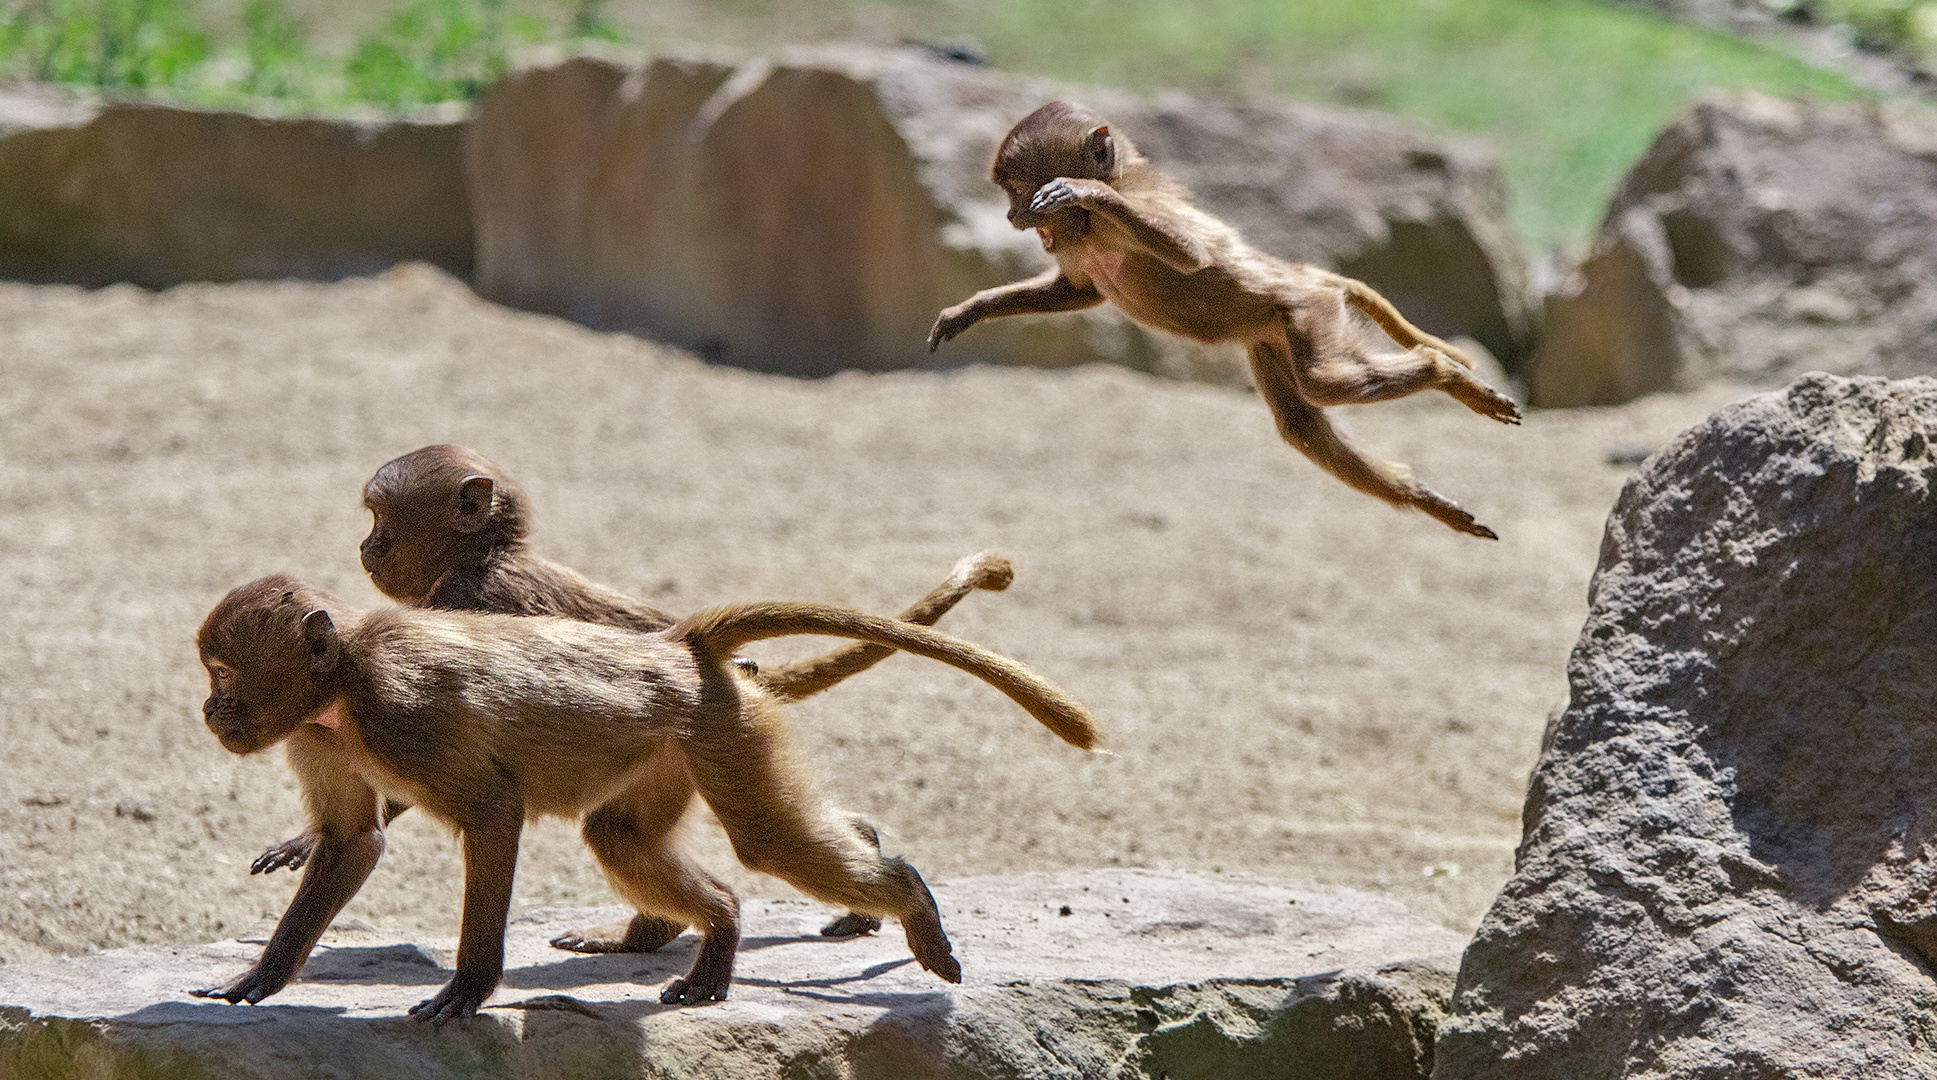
[(1569, 92)]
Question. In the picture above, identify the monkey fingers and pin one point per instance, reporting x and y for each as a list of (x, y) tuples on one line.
[(254, 985), (712, 971), (951, 322), (462, 997), (1054, 196), (291, 853)]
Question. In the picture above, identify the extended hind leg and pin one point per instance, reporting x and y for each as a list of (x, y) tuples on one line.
[(1304, 426), (653, 810), (856, 923), (1339, 368), (745, 771), (651, 875)]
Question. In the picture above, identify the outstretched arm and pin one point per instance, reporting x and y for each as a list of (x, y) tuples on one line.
[(349, 843), (1163, 238), (1048, 291)]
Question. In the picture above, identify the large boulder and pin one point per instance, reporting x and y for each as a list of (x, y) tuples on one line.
[(95, 193), (1097, 974), (813, 212), (1729, 864), (1757, 239)]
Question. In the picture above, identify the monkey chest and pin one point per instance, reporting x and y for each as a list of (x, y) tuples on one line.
[(1189, 305)]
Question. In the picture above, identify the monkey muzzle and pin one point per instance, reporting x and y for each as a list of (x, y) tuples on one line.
[(231, 722)]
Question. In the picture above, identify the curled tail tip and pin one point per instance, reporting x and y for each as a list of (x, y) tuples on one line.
[(987, 570)]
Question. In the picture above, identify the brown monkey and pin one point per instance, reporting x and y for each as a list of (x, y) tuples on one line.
[(448, 532), (1121, 231), (486, 721)]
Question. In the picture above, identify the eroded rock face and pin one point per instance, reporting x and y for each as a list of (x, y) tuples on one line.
[(1757, 239), (813, 212), (92, 194), (1093, 974), (1729, 866)]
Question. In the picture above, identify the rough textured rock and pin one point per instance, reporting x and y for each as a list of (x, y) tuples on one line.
[(95, 194), (1756, 239), (1080, 974), (812, 212), (1729, 865)]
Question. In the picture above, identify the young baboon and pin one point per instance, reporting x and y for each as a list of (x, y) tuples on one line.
[(487, 720), (448, 532), (1123, 232)]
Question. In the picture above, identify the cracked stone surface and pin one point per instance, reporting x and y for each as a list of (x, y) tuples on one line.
[(1149, 974)]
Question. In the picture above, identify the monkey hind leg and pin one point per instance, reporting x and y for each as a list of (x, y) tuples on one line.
[(671, 893), (857, 923), (1304, 426), (642, 933), (1335, 364), (779, 827)]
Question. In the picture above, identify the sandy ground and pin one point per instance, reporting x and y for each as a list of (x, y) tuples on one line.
[(1295, 681)]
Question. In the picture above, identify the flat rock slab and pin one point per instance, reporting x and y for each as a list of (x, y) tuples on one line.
[(1148, 974)]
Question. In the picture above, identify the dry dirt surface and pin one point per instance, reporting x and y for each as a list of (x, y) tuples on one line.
[(1295, 681)]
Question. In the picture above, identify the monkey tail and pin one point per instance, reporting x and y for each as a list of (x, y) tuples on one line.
[(1306, 428), (722, 630), (1380, 310)]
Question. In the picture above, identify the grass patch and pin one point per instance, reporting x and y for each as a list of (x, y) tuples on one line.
[(1569, 92)]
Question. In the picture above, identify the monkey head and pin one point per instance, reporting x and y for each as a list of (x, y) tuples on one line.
[(272, 656), (1059, 140), (434, 509)]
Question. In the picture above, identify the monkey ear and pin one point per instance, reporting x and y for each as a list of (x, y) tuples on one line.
[(474, 499), (1102, 149), (319, 638)]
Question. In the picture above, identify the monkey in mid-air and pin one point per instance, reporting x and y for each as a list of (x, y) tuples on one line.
[(1123, 232), (448, 532), (486, 721)]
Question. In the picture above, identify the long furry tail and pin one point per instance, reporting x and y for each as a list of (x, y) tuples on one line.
[(791, 682), (722, 630)]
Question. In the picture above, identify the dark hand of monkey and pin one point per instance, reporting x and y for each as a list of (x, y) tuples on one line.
[(951, 322), (254, 985), (291, 854), (1061, 193), (462, 998)]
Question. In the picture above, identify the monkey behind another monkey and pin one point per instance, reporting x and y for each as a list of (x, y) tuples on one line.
[(486, 721)]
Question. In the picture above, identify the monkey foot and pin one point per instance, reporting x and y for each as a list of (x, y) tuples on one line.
[(693, 991), (462, 998), (1490, 403), (1448, 513), (642, 934), (852, 924)]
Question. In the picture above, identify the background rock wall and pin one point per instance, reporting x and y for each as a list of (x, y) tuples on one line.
[(92, 195), (813, 212), (1756, 240)]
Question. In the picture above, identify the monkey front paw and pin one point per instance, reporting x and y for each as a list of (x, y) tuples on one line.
[(254, 985), (1497, 406), (290, 853), (461, 998), (949, 323), (1056, 195), (852, 924), (692, 991)]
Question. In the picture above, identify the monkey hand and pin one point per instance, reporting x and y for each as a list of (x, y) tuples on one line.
[(952, 321), (254, 985), (1062, 193), (292, 853), (462, 997)]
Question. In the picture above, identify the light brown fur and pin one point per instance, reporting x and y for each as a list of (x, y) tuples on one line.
[(448, 532), (1121, 231), (488, 720)]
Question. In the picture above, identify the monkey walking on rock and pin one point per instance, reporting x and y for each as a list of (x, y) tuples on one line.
[(448, 533), (486, 721), (1123, 232)]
